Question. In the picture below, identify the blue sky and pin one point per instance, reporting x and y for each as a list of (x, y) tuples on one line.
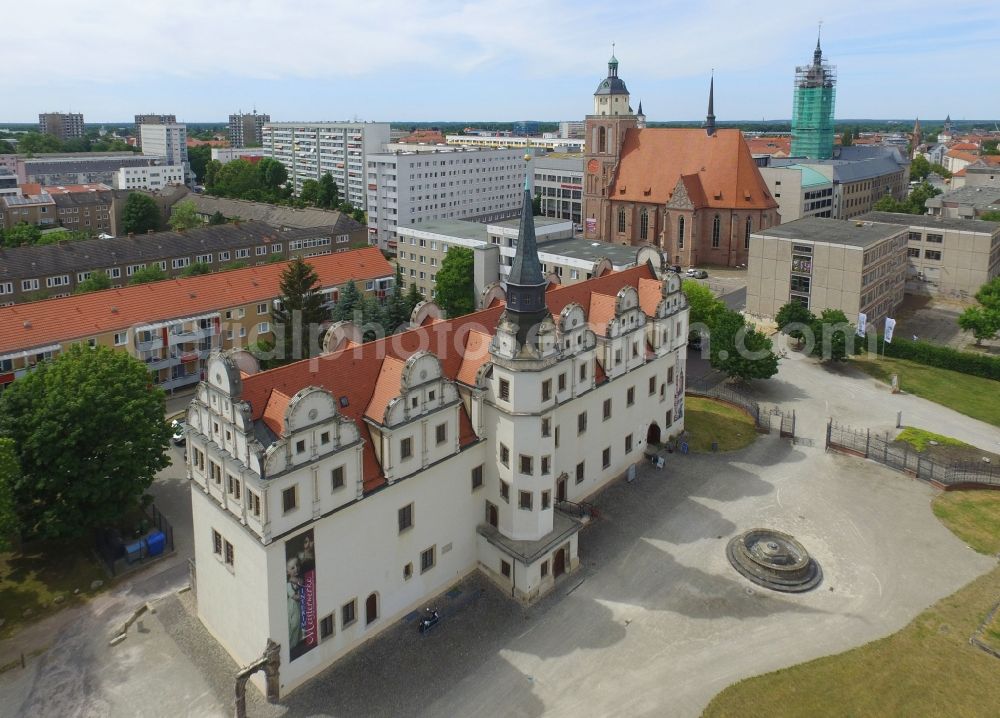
[(443, 60)]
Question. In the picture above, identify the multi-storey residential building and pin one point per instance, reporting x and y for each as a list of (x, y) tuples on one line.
[(88, 209), (695, 193), (947, 256), (504, 142), (564, 260), (141, 120), (172, 325), (572, 129), (225, 155), (150, 178), (169, 142), (64, 125), (55, 270), (246, 130), (828, 264), (411, 188), (79, 167), (450, 447), (310, 150), (800, 191), (8, 183), (30, 205), (558, 181)]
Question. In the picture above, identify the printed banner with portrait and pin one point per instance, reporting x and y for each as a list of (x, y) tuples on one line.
[(300, 585)]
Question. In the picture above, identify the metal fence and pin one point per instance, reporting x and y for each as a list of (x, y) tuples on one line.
[(902, 457), (764, 417), (122, 555)]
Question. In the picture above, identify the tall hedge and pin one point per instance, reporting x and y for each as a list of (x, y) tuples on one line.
[(942, 357)]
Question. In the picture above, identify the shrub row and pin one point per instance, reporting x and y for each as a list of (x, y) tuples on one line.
[(942, 357)]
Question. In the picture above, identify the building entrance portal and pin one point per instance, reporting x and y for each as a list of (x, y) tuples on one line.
[(561, 489), (559, 563), (653, 435)]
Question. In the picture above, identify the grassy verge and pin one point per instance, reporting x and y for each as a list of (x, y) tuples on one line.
[(921, 439), (973, 516), (33, 580), (707, 421), (927, 669), (969, 395)]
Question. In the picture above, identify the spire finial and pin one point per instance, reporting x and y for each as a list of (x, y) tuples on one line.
[(710, 117)]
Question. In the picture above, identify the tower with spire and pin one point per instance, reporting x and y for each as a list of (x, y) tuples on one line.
[(640, 117), (605, 132), (710, 117), (813, 107)]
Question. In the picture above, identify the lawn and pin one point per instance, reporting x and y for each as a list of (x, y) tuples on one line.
[(927, 669), (920, 439), (707, 421), (970, 395), (973, 516), (32, 579)]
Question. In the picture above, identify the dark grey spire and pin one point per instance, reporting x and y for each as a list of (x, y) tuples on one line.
[(526, 271), (710, 117), (640, 107), (818, 52)]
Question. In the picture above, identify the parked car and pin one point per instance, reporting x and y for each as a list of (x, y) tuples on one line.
[(697, 273), (178, 427), (675, 268)]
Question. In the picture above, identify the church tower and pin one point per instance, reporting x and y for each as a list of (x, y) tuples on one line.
[(812, 108), (604, 136)]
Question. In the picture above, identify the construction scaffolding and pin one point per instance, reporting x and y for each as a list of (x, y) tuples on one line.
[(812, 109)]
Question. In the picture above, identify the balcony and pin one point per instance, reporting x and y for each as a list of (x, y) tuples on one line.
[(162, 362), (152, 345), (191, 335), (178, 382)]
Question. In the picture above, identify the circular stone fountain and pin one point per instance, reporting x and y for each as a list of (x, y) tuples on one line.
[(774, 560)]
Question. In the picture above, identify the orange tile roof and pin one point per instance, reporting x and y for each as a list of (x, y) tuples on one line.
[(650, 294), (30, 189), (387, 388), (960, 155), (52, 321), (654, 159), (781, 146), (274, 412), (601, 311), (352, 375), (969, 146), (477, 353)]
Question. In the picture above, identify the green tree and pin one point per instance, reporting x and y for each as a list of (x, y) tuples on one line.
[(327, 194), (77, 474), (456, 291), (919, 168), (66, 235), (212, 168), (916, 202), (739, 350), (993, 216), (20, 234), (152, 273), (238, 179), (196, 269), (372, 319), (888, 203), (309, 192), (350, 300), (199, 156), (394, 314), (983, 323), (217, 218), (989, 294), (990, 147), (10, 473), (95, 282), (940, 170), (359, 216), (140, 214), (33, 143), (847, 139), (413, 298), (301, 311), (272, 173), (834, 336), (793, 318), (6, 148), (704, 306), (237, 264), (184, 215)]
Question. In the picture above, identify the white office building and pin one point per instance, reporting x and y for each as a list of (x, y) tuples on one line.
[(168, 142), (150, 178), (332, 500), (310, 150), (410, 188), (558, 181)]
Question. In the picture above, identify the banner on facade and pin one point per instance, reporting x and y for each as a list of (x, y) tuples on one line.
[(862, 323), (300, 572), (591, 225), (890, 327)]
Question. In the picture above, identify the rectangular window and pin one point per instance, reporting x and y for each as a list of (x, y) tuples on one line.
[(263, 328), (546, 500), (326, 627), (477, 477), (261, 251), (405, 518), (546, 427), (544, 568), (913, 251), (121, 338), (504, 455), (931, 254), (441, 433), (628, 444), (670, 375), (526, 465), (938, 238), (524, 500), (606, 457), (555, 438), (324, 437), (229, 554), (262, 308), (337, 478), (348, 613), (505, 491), (583, 372), (504, 390), (562, 382), (630, 396), (289, 499), (254, 501), (581, 423), (652, 385), (427, 559), (607, 409), (216, 543), (546, 464), (546, 390), (505, 568), (406, 448), (300, 446), (579, 472)]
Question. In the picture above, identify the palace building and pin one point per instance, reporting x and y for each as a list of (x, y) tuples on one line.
[(334, 497), (697, 194)]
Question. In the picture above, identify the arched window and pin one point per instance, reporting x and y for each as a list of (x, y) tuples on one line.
[(644, 224), (716, 231), (680, 233), (371, 609), (602, 140), (746, 238), (621, 220)]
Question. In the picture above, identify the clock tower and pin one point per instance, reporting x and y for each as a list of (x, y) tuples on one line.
[(605, 133)]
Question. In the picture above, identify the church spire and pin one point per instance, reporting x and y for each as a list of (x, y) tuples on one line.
[(710, 117), (818, 52)]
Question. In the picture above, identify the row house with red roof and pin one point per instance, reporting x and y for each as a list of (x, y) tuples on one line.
[(334, 497), (173, 325)]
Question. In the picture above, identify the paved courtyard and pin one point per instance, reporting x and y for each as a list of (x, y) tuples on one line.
[(655, 622)]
